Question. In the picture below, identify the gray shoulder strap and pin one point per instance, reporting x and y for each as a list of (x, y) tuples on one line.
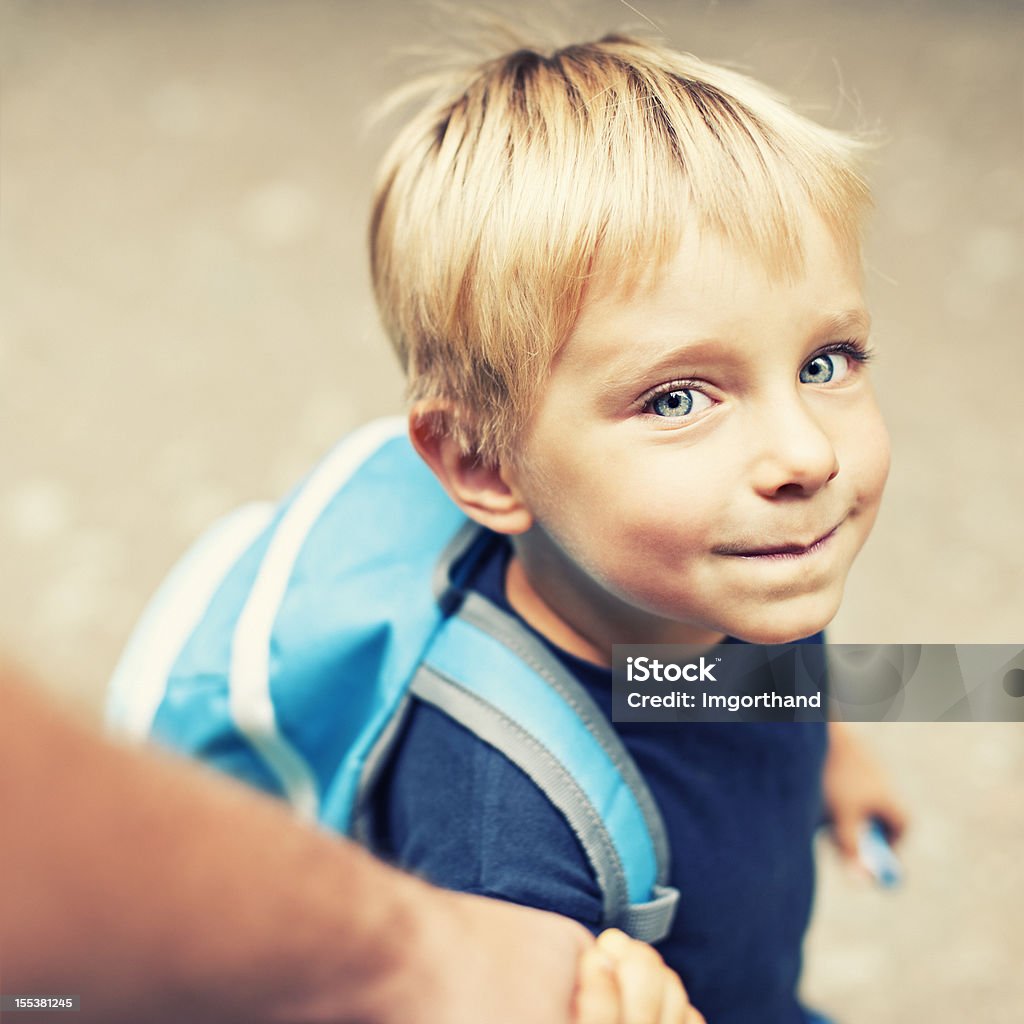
[(486, 671)]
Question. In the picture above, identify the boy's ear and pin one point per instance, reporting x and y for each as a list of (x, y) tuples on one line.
[(481, 490)]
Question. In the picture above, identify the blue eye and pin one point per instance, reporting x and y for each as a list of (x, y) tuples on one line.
[(675, 403), (678, 402), (825, 368)]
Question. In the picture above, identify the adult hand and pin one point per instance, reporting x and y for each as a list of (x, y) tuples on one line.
[(472, 960)]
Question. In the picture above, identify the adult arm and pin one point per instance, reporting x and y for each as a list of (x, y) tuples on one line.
[(157, 891)]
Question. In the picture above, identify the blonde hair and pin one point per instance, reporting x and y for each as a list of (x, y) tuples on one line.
[(525, 175)]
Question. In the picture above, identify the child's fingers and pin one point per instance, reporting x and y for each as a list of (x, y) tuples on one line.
[(597, 990), (894, 816), (642, 975), (846, 829), (676, 1008), (650, 992)]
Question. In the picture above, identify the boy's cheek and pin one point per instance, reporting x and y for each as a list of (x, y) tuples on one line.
[(868, 455), (881, 449)]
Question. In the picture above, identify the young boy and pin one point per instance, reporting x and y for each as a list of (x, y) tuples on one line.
[(625, 286), (626, 289)]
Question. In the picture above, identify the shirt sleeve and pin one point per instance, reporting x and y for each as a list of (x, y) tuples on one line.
[(458, 813)]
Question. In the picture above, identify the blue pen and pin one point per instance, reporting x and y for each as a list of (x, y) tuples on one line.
[(878, 857)]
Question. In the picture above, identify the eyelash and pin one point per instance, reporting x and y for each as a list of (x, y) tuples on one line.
[(850, 348), (856, 351), (666, 389)]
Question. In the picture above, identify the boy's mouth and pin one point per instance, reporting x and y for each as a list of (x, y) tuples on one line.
[(785, 550)]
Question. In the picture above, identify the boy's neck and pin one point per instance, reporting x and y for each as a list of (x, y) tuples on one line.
[(535, 611), (558, 608)]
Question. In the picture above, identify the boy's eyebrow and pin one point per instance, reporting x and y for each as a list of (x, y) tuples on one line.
[(851, 321), (628, 372)]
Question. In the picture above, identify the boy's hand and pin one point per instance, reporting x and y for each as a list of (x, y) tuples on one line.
[(857, 789), (622, 981)]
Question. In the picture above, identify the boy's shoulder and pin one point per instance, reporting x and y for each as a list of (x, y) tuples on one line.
[(457, 811)]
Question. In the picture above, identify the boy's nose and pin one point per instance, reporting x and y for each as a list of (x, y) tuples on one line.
[(794, 452)]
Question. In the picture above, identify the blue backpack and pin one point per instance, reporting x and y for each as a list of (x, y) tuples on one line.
[(287, 646)]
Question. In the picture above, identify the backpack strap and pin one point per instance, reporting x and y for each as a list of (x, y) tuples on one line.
[(274, 651), (489, 673)]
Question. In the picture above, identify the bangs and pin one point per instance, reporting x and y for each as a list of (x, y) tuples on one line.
[(529, 174), (621, 148)]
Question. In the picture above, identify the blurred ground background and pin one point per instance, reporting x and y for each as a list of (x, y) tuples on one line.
[(187, 324)]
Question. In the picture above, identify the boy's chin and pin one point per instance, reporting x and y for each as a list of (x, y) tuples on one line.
[(786, 625)]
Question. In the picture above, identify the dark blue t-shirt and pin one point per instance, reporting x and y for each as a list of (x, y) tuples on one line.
[(740, 801)]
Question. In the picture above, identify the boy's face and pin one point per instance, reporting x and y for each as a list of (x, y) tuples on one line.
[(708, 456)]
